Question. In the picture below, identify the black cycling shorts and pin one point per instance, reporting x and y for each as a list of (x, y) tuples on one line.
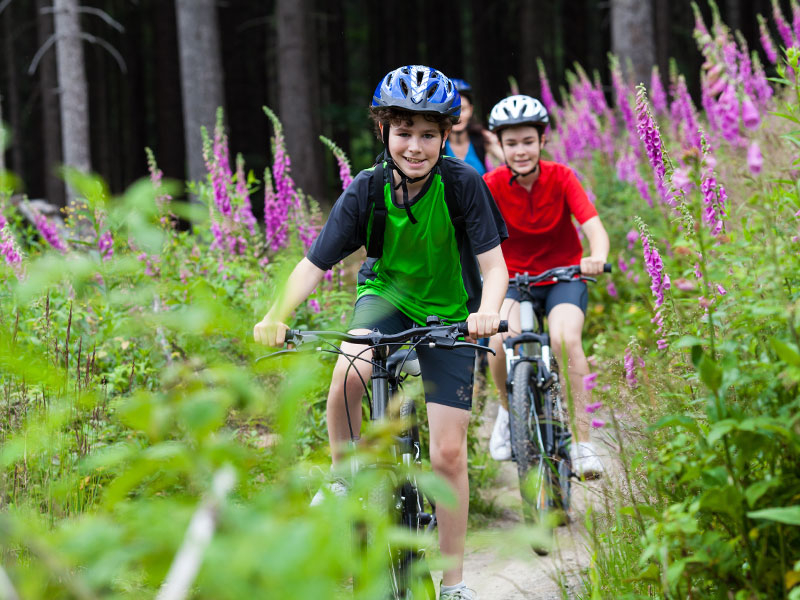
[(447, 375), (573, 292)]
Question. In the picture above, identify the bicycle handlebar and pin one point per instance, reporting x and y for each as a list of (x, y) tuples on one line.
[(556, 274), (437, 335)]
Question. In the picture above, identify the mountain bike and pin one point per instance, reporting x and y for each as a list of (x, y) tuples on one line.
[(408, 574), (540, 435)]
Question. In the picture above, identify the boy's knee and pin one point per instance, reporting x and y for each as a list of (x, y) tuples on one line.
[(448, 456)]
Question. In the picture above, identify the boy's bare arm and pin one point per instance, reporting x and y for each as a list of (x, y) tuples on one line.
[(486, 320), (304, 278), (598, 247)]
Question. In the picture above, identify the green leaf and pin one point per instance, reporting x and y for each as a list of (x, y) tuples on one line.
[(710, 373), (784, 514), (719, 429), (786, 352), (758, 489)]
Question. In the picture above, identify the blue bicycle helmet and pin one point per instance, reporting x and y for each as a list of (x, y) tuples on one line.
[(418, 88)]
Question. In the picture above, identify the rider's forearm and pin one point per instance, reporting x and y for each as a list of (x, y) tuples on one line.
[(599, 244), (304, 278), (495, 280)]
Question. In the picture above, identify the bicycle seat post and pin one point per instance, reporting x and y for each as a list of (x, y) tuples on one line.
[(380, 382)]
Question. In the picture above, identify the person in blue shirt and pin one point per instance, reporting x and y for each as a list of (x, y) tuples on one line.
[(468, 140)]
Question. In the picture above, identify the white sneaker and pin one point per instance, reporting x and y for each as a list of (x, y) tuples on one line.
[(500, 442), (586, 461), (337, 487), (460, 594)]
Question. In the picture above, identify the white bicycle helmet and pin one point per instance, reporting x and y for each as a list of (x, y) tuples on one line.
[(517, 110)]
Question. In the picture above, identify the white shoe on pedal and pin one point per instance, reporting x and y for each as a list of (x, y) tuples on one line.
[(461, 593), (500, 442), (586, 461), (336, 487)]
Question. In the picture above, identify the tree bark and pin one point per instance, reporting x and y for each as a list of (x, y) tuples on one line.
[(529, 47), (51, 122), (632, 36), (662, 26), (169, 124), (201, 76), (13, 98), (74, 97), (297, 103)]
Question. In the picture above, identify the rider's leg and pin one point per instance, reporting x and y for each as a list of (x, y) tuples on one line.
[(497, 363), (448, 439), (566, 324), (346, 377)]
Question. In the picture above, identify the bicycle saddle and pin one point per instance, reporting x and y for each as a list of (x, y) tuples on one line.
[(403, 361)]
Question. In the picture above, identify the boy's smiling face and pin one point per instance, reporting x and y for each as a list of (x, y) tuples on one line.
[(415, 145), (521, 147)]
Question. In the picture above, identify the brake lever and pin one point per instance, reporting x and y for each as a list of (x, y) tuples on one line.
[(476, 346), (278, 353)]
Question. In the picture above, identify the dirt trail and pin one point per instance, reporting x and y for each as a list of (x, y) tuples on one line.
[(524, 575)]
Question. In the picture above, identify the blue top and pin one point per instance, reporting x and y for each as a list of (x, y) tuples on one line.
[(471, 158)]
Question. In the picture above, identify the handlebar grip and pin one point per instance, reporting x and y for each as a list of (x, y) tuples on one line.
[(607, 268), (290, 335), (464, 330)]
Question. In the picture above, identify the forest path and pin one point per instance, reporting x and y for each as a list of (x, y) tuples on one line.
[(496, 574)]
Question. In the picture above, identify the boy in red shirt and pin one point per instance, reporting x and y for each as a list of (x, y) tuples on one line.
[(538, 200)]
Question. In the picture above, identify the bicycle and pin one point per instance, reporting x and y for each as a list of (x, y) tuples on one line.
[(540, 435), (408, 574)]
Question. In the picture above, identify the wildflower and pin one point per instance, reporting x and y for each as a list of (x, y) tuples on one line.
[(48, 231), (632, 237), (589, 381), (685, 285), (721, 290), (714, 194), (3, 221), (655, 269), (728, 114), (630, 368), (315, 307), (244, 213), (341, 158), (754, 159), (598, 423), (681, 181), (750, 116), (662, 344), (766, 41), (623, 103), (593, 407), (547, 95), (704, 302), (649, 134), (784, 30), (623, 264), (105, 244), (162, 197), (657, 93), (8, 247)]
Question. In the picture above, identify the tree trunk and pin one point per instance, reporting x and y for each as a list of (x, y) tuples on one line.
[(13, 98), (662, 26), (201, 76), (51, 123), (530, 49), (170, 147), (297, 103), (632, 36), (74, 97), (733, 10)]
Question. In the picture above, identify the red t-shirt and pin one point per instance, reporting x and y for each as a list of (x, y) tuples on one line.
[(541, 234)]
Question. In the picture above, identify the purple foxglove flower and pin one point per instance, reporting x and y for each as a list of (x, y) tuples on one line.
[(623, 264), (685, 285), (48, 232), (721, 290), (632, 237), (593, 407), (650, 135), (589, 381), (750, 116), (630, 368), (754, 159), (655, 269), (547, 95), (2, 221), (681, 181), (624, 105), (105, 245), (662, 344), (784, 30), (244, 212), (598, 423), (8, 247), (697, 272), (657, 94), (766, 41), (315, 307)]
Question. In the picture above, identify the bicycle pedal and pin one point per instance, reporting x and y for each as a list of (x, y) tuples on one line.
[(425, 518)]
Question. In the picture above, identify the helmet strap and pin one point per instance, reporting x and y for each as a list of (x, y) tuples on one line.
[(517, 175)]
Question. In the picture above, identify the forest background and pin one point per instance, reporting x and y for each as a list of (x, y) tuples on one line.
[(315, 63)]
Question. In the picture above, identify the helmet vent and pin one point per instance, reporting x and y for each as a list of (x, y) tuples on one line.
[(404, 87)]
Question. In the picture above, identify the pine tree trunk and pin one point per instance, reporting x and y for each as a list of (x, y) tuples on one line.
[(297, 102), (632, 36), (201, 76), (74, 98), (51, 122)]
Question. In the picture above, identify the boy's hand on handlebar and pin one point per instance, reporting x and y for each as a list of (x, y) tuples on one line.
[(270, 332), (592, 265), (482, 324)]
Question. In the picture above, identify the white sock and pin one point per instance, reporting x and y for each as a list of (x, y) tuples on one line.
[(453, 588), (501, 411)]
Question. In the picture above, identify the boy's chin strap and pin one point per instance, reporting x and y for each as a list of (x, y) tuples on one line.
[(517, 175), (404, 179)]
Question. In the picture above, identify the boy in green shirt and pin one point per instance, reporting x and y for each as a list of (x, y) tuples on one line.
[(422, 271)]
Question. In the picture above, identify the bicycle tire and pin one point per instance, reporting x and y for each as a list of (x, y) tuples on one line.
[(563, 439), (414, 575), (530, 438)]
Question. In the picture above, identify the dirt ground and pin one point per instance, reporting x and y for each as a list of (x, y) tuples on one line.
[(521, 574)]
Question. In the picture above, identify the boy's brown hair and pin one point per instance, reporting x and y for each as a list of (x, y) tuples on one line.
[(386, 115)]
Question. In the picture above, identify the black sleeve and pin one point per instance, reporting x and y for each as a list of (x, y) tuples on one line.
[(345, 231), (486, 228)]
